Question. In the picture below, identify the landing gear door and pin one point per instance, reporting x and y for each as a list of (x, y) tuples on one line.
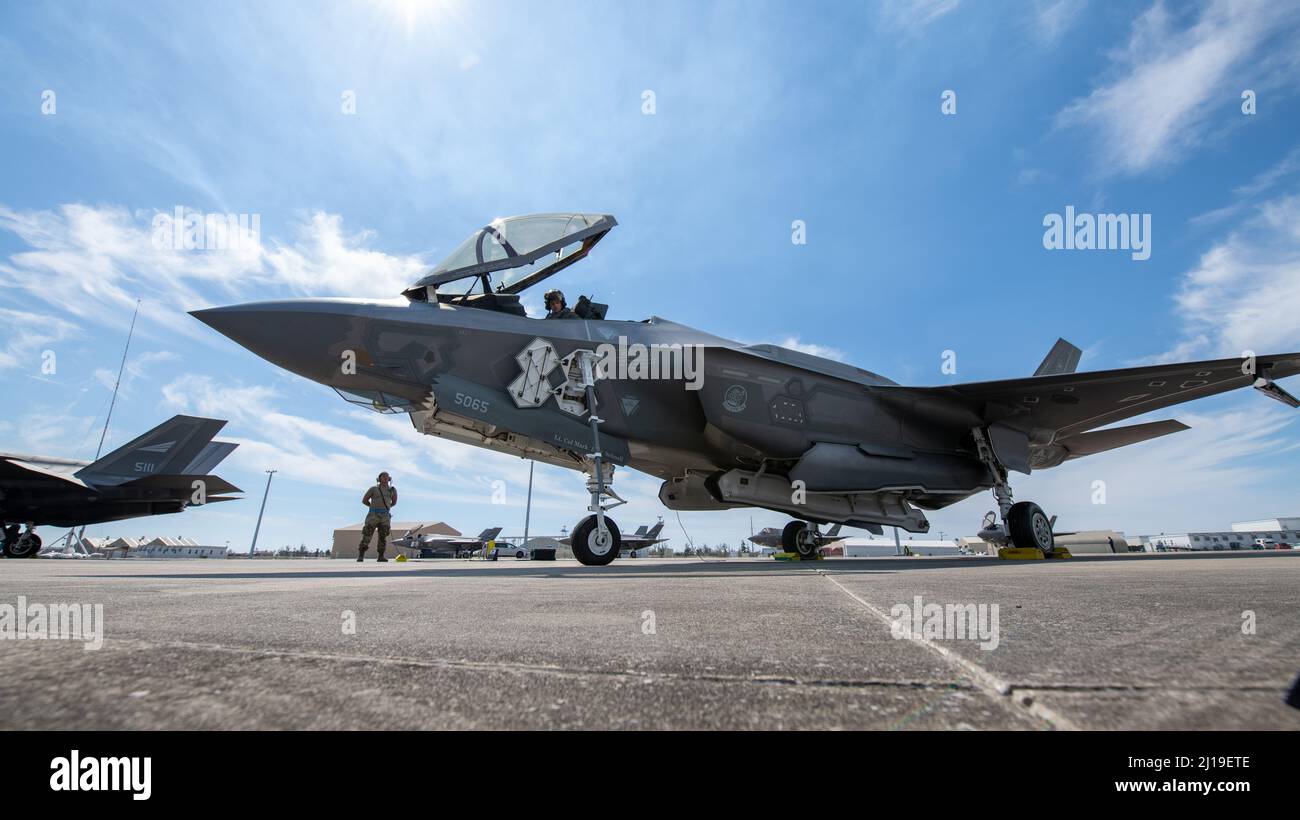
[(1011, 446)]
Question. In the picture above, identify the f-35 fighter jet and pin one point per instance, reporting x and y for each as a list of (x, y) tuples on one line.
[(723, 424), (163, 471)]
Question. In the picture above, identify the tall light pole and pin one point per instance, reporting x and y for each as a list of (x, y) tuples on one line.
[(528, 510), (252, 551)]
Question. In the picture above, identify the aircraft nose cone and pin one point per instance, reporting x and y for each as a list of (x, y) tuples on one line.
[(308, 337)]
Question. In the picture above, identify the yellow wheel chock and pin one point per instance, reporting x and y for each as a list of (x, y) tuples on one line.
[(1031, 553)]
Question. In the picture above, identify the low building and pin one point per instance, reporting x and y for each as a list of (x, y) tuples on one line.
[(1095, 542), (1242, 536), (977, 546), (1286, 525), (178, 547), (348, 539), (107, 547)]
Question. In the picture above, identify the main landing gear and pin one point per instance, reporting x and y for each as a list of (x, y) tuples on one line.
[(1024, 524), (596, 539), (801, 538), (21, 544)]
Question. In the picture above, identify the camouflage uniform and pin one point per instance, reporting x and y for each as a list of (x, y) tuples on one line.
[(379, 518)]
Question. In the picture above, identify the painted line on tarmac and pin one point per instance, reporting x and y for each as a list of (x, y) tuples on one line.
[(983, 679)]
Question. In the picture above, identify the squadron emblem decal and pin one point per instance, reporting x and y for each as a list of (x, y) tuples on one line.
[(735, 399)]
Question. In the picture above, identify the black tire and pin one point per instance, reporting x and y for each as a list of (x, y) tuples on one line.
[(585, 548), (21, 547), (795, 537), (520, 555), (1030, 527)]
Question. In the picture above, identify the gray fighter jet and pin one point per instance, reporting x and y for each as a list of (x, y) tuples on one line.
[(163, 471), (723, 424), (428, 545), (645, 536)]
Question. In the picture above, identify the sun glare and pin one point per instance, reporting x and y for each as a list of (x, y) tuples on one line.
[(414, 14)]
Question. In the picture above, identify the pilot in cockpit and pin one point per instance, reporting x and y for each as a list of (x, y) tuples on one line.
[(556, 307)]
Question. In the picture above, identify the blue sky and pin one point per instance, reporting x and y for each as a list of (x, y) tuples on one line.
[(924, 230)]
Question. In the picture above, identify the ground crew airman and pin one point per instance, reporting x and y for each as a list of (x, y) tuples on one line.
[(381, 499)]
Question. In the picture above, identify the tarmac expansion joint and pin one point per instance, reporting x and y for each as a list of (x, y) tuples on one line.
[(982, 679)]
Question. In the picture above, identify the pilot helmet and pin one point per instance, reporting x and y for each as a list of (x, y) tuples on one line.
[(554, 294)]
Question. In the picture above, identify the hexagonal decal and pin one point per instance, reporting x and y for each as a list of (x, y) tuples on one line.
[(531, 388)]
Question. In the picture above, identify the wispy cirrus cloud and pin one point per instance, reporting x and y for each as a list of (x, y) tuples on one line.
[(1245, 291), (27, 334), (812, 348), (911, 16), (93, 262), (1052, 18), (1173, 75)]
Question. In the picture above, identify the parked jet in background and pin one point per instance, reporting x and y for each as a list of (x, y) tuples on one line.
[(444, 546), (641, 539), (726, 424), (163, 471)]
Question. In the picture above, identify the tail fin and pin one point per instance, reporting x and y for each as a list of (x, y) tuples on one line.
[(182, 445), (1061, 359), (640, 530), (489, 534), (832, 532), (655, 530)]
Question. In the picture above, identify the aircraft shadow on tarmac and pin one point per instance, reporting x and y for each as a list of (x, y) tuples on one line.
[(681, 568)]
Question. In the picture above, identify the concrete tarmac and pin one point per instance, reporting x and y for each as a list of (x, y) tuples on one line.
[(1180, 641)]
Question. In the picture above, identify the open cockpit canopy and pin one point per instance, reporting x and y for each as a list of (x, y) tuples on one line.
[(521, 250)]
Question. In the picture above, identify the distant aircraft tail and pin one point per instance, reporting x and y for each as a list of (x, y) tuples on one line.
[(182, 445), (489, 534), (655, 530), (832, 532)]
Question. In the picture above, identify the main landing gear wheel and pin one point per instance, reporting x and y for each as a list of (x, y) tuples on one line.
[(801, 538), (22, 546), (591, 546), (1029, 526)]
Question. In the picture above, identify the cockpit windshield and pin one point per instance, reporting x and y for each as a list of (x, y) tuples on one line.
[(526, 248)]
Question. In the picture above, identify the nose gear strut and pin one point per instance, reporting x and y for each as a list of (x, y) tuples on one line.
[(596, 538)]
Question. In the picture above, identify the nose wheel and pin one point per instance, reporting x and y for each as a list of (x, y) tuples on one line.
[(591, 545)]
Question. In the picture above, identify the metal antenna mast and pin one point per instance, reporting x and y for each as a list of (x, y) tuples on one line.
[(118, 383)]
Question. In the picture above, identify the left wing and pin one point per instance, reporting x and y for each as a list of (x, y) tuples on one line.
[(1072, 403)]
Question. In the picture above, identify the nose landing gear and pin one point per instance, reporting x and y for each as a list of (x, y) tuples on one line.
[(596, 539)]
